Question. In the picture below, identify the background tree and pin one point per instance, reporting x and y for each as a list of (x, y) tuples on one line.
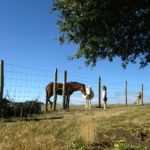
[(106, 28)]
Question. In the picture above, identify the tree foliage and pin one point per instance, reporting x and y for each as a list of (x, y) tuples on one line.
[(106, 28)]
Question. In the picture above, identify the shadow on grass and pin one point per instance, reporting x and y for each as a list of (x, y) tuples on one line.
[(30, 119)]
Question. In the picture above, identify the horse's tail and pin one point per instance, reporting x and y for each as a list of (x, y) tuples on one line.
[(47, 97), (46, 93)]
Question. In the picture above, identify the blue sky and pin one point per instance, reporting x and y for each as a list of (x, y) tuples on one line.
[(26, 31)]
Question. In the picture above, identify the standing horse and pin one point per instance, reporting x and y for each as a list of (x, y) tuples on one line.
[(139, 98), (88, 97), (70, 88)]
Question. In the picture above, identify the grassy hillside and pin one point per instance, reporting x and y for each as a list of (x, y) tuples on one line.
[(117, 127)]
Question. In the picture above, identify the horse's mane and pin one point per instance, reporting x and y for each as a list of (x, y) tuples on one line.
[(74, 82), (69, 82)]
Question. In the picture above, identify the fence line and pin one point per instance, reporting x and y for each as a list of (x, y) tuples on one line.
[(64, 87), (24, 84), (99, 92), (125, 93), (142, 93), (1, 84), (54, 90), (75, 78)]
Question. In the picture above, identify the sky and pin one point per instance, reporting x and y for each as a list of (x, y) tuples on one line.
[(31, 55)]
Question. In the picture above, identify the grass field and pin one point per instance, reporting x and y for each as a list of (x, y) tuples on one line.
[(117, 127)]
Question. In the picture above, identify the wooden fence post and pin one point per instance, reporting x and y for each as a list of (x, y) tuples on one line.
[(99, 92), (125, 93), (142, 93), (55, 90), (64, 89), (1, 84)]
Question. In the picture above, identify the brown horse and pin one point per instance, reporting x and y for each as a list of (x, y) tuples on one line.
[(70, 88)]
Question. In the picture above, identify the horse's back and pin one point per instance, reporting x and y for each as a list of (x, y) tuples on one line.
[(50, 86)]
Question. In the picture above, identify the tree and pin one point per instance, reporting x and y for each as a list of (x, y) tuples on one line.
[(106, 28)]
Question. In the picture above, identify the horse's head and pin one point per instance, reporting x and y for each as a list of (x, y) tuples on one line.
[(88, 91), (83, 90)]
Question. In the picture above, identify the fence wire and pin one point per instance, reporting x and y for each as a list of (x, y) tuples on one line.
[(26, 84)]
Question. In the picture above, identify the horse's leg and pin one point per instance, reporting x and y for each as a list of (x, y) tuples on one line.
[(50, 103), (86, 103), (46, 104), (140, 101), (68, 101), (46, 101), (90, 104)]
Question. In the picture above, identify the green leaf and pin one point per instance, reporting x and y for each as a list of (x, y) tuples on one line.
[(107, 31)]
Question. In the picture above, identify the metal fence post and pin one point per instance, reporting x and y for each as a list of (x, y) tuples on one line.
[(99, 92), (142, 93), (55, 90), (64, 89), (1, 84), (125, 93)]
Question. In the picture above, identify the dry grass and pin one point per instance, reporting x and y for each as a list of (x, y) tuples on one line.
[(56, 130)]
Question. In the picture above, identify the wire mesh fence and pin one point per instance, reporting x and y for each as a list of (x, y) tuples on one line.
[(24, 83), (27, 84)]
